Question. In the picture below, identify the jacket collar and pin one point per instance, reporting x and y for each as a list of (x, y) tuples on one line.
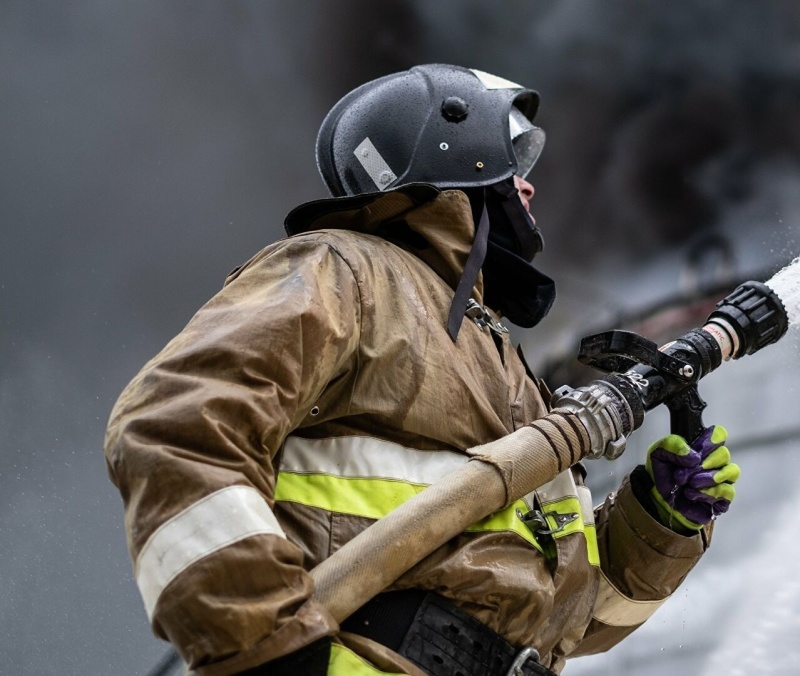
[(435, 225)]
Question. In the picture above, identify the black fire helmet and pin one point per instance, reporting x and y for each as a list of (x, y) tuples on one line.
[(451, 127), (446, 125)]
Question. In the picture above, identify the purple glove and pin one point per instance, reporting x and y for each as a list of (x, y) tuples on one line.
[(692, 484)]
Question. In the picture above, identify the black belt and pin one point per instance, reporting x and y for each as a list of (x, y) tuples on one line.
[(442, 640)]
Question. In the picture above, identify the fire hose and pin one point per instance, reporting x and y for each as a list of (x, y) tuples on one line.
[(591, 421)]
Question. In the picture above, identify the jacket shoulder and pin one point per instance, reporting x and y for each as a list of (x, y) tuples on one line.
[(308, 251)]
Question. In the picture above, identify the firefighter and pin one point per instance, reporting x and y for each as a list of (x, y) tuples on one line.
[(340, 371)]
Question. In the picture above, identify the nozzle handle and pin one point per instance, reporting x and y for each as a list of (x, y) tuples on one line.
[(618, 351), (686, 413)]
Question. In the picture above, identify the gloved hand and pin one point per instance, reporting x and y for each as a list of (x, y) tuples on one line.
[(692, 483)]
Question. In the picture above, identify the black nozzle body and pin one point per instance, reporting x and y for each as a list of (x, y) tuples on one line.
[(755, 313), (748, 319)]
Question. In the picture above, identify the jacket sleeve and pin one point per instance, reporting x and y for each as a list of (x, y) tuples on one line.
[(191, 444), (641, 563)]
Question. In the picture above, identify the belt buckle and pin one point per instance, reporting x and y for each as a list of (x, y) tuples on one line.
[(519, 661)]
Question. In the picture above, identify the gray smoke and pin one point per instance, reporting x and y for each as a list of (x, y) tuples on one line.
[(656, 114)]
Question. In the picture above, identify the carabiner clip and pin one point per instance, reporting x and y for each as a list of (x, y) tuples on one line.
[(537, 521), (480, 315), (519, 661)]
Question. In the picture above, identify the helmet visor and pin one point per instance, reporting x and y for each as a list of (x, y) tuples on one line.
[(526, 139)]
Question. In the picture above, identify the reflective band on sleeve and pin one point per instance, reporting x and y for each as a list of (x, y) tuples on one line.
[(589, 530), (592, 551), (374, 164), (493, 81), (613, 608), (216, 521), (344, 662), (563, 496), (562, 486), (573, 506)]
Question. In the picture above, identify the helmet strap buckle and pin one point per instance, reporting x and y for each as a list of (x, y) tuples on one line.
[(480, 315)]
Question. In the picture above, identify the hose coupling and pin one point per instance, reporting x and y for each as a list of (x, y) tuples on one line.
[(604, 412)]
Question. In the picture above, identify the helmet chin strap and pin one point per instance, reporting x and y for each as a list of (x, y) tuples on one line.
[(470, 274)]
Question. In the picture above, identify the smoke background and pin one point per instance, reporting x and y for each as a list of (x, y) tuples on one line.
[(148, 148)]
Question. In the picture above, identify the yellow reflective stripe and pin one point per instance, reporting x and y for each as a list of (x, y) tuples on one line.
[(370, 498), (344, 662), (572, 505), (593, 553), (375, 498)]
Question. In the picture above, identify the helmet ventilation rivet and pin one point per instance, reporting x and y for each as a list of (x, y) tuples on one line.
[(443, 146), (479, 165), (454, 109), (385, 177)]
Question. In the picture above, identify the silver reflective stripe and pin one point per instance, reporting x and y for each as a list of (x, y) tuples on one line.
[(563, 486), (216, 521), (369, 458), (612, 607), (493, 81), (374, 164), (517, 123), (587, 509)]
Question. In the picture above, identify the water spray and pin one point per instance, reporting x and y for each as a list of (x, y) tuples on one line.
[(642, 375)]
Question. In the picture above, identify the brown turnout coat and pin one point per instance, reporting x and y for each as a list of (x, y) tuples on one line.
[(337, 336)]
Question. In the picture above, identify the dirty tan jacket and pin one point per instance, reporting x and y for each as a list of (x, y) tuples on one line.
[(332, 342)]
